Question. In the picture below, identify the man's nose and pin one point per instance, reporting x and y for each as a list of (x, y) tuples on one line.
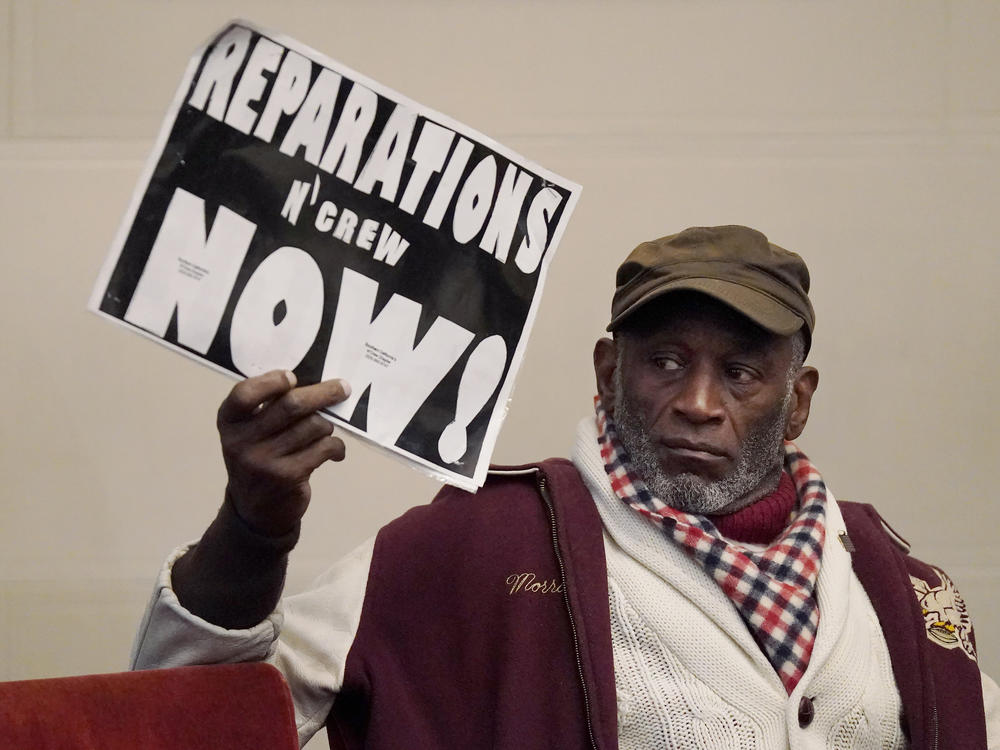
[(699, 399)]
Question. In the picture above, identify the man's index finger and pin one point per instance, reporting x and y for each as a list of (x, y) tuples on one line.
[(247, 396)]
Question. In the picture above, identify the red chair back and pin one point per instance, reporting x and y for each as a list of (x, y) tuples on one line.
[(222, 707)]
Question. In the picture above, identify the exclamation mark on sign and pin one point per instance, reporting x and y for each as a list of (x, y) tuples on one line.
[(480, 379)]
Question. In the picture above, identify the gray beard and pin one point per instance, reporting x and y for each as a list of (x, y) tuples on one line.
[(760, 459)]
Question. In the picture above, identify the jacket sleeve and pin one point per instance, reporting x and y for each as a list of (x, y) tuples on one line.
[(307, 637), (991, 702)]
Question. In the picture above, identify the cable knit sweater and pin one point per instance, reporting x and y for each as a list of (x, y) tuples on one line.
[(687, 672), (718, 689)]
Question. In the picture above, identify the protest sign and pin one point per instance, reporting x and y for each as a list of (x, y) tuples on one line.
[(295, 214)]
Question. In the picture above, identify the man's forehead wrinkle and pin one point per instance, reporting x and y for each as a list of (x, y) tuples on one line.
[(725, 343)]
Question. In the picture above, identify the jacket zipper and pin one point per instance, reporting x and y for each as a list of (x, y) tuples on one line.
[(543, 490), (934, 721)]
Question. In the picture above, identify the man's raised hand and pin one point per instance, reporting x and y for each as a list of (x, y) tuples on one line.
[(272, 441)]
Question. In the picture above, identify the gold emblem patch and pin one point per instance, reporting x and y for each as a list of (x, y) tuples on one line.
[(946, 618)]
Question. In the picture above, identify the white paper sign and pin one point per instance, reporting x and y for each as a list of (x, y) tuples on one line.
[(296, 214)]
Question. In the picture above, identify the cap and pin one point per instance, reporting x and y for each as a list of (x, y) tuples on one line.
[(734, 264)]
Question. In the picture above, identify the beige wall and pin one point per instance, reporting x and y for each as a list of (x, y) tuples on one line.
[(864, 135)]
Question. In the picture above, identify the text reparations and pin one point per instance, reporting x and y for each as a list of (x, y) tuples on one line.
[(265, 90)]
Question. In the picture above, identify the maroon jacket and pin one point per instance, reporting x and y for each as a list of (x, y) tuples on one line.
[(941, 688), (485, 625)]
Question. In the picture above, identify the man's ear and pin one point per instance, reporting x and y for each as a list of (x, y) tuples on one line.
[(806, 382), (605, 364)]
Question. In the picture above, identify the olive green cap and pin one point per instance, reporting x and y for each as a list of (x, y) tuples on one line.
[(733, 264)]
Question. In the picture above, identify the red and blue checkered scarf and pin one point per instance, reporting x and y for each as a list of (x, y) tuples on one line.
[(773, 589)]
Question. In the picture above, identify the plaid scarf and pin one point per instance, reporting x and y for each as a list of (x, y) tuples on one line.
[(773, 589)]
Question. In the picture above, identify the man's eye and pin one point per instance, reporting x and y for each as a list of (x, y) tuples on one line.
[(667, 363), (740, 374)]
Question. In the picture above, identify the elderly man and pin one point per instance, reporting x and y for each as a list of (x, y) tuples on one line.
[(687, 580)]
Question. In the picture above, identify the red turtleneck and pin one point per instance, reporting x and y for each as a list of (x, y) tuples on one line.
[(762, 521)]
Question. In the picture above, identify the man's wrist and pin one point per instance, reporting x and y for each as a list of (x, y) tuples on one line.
[(234, 576), (250, 537)]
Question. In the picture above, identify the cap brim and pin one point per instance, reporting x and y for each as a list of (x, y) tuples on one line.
[(762, 309)]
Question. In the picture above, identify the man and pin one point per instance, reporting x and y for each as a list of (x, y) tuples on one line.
[(686, 581)]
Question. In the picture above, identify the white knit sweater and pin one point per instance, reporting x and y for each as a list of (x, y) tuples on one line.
[(688, 672)]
